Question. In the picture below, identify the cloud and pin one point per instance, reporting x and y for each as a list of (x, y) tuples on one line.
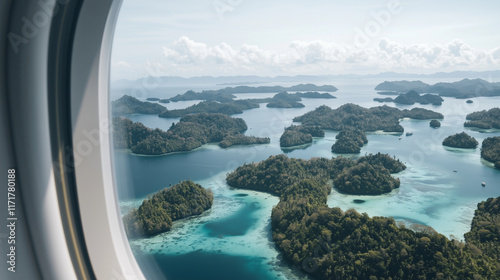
[(122, 64), (327, 57)]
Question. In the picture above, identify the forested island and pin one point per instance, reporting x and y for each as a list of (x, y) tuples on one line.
[(461, 140), (484, 119), (435, 124), (329, 243), (156, 214), (189, 133), (412, 97), (397, 87), (285, 100), (229, 108), (131, 105), (490, 150), (315, 94), (465, 88), (226, 94), (354, 116), (349, 141), (240, 139), (278, 173), (296, 135)]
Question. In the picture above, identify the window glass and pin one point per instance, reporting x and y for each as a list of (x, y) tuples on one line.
[(225, 110)]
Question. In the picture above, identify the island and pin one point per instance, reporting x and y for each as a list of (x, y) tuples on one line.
[(156, 214), (278, 173), (350, 115), (296, 135), (486, 119), (490, 150), (285, 100), (412, 97), (349, 141), (226, 94), (329, 243), (191, 132), (460, 140), (396, 87), (435, 124), (466, 88), (130, 105), (210, 95), (228, 108), (153, 99), (291, 138), (315, 94), (164, 100)]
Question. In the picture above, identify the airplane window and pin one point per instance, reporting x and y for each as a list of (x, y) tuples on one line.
[(300, 140)]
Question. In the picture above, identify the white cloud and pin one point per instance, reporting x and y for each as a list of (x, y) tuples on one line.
[(122, 64), (321, 57)]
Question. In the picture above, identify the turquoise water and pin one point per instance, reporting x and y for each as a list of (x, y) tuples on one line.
[(440, 188)]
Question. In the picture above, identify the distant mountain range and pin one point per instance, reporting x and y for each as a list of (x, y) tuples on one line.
[(252, 79)]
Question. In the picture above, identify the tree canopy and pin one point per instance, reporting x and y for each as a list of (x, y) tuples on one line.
[(460, 140), (484, 119), (329, 243), (354, 116), (156, 214), (189, 133)]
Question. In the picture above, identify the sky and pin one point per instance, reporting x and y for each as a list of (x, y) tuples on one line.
[(317, 37)]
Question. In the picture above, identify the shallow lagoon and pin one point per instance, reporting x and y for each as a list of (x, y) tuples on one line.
[(232, 240)]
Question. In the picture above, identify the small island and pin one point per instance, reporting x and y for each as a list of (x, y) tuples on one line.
[(291, 138), (296, 135), (153, 99), (490, 150), (435, 124), (285, 100), (130, 105), (315, 94), (191, 132), (460, 140), (157, 213), (164, 101), (349, 141), (484, 119)]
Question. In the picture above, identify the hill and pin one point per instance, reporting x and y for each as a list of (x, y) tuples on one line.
[(460, 140), (156, 214), (484, 119), (131, 105), (189, 133)]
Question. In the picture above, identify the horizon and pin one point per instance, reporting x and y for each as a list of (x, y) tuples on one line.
[(454, 74), (289, 38)]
